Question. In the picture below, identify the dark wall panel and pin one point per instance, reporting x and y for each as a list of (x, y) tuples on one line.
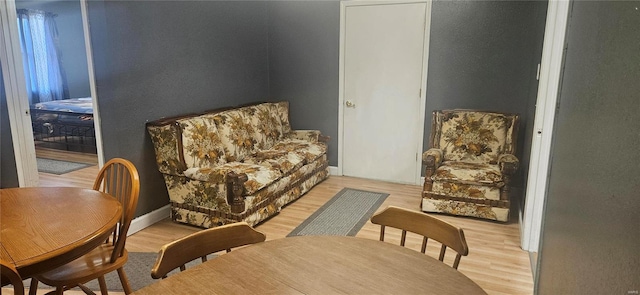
[(484, 55), (162, 58), (8, 172), (591, 225), (304, 39)]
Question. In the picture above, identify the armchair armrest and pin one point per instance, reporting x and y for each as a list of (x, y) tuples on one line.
[(310, 135), (432, 157), (508, 164)]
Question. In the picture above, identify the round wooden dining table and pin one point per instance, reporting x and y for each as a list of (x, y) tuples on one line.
[(45, 227), (318, 265)]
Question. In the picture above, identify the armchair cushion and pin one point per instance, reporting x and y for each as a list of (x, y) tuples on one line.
[(472, 136), (469, 173)]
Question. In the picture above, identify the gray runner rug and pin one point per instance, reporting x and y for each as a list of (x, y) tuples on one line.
[(58, 167), (343, 215), (138, 270)]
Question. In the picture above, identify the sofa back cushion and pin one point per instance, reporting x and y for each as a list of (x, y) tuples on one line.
[(201, 143), (236, 134), (474, 136), (282, 109), (265, 123)]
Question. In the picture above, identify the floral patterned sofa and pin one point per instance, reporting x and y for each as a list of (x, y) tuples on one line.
[(236, 164), (470, 163)]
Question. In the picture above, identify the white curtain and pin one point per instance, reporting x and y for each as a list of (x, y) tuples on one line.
[(40, 56)]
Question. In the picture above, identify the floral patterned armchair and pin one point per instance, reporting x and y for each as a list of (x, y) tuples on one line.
[(470, 163)]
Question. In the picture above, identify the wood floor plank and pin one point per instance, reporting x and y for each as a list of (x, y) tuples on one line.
[(495, 259)]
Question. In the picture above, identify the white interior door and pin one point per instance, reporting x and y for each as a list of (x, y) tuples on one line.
[(382, 101)]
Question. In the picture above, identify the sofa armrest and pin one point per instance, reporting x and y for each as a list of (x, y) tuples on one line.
[(310, 135), (167, 143), (508, 164), (234, 184)]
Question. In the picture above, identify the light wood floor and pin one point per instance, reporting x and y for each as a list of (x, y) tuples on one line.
[(495, 259)]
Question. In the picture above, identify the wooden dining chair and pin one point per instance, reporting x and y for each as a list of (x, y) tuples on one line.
[(200, 244), (9, 275), (119, 178), (426, 225)]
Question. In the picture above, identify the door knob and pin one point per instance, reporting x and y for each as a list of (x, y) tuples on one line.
[(350, 104)]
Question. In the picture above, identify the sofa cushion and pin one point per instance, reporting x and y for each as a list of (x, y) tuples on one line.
[(236, 134), (469, 173), (201, 144), (284, 161), (259, 176), (310, 151)]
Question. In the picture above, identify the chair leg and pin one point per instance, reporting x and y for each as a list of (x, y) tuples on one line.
[(103, 286), (59, 290), (125, 282), (33, 288)]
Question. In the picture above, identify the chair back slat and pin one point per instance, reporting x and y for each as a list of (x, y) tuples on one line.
[(457, 261), (424, 245), (423, 224), (403, 239), (203, 243), (443, 249), (119, 178)]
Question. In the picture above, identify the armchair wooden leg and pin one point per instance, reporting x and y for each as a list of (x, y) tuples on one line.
[(124, 281)]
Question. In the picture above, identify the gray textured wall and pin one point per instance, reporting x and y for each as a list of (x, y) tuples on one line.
[(304, 40), (162, 58), (8, 173), (70, 41), (591, 226), (484, 55)]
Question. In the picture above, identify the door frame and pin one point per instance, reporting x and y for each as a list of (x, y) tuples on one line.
[(341, 75), (16, 95), (548, 93), (18, 102)]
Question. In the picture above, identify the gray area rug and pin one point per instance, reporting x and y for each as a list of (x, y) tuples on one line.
[(58, 167), (138, 270), (343, 215)]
